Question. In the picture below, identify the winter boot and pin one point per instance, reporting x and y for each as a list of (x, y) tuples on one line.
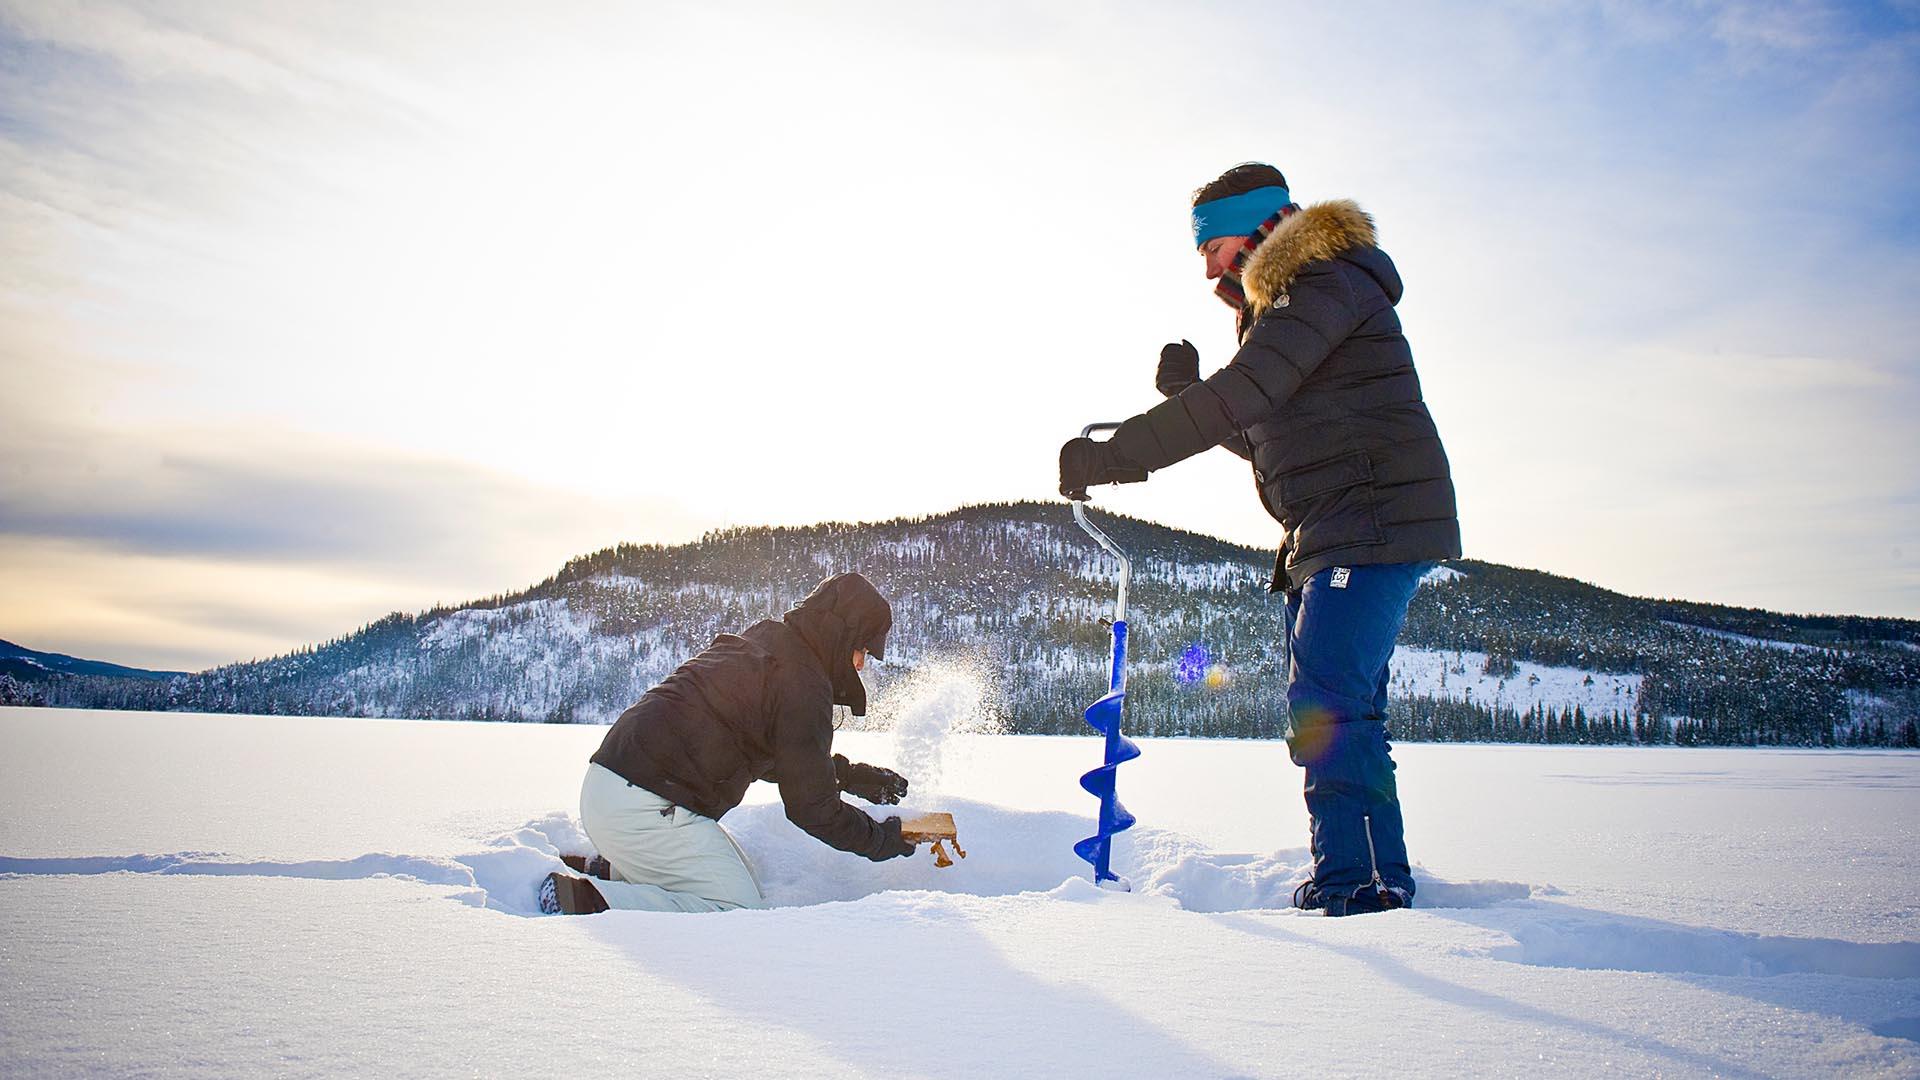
[(1366, 899), (564, 894), (590, 865)]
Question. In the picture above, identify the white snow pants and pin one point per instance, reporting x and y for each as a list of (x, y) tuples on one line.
[(664, 857)]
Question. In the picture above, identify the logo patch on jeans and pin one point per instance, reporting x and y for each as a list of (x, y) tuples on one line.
[(1341, 575)]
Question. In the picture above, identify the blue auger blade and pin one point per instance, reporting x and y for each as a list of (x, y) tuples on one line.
[(1098, 848), (1098, 782), (1091, 849), (1103, 715)]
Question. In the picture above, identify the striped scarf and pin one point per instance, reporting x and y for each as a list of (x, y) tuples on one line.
[(1230, 290)]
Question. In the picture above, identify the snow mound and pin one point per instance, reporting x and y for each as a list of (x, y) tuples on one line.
[(213, 863), (1217, 882), (504, 875), (1439, 893), (507, 872), (1015, 851), (1009, 852)]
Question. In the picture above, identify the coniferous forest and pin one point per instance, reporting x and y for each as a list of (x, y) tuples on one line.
[(1015, 596)]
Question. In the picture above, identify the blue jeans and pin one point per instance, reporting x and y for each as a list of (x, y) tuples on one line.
[(1341, 627)]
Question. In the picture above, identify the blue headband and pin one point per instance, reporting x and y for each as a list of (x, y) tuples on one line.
[(1237, 215)]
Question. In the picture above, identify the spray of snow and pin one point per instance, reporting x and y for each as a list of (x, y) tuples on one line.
[(928, 705)]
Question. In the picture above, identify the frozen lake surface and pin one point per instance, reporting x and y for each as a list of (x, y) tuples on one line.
[(239, 896)]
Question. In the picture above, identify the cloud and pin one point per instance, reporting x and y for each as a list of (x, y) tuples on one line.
[(183, 613), (1762, 31), (386, 305), (199, 548), (237, 495)]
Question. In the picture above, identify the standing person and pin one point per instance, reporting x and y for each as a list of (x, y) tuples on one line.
[(1323, 399), (752, 706)]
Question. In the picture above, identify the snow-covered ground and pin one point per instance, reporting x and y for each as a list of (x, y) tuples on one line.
[(1745, 639), (248, 896), (1462, 676)]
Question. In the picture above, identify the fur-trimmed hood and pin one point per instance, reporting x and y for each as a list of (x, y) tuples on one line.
[(1315, 233)]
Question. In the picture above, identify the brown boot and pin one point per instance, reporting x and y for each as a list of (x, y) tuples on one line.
[(571, 895), (592, 866)]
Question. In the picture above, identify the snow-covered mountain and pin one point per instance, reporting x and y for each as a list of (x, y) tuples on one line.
[(24, 670), (1016, 593), (32, 665)]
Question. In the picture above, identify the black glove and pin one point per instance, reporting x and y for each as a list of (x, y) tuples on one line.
[(891, 845), (1084, 462), (869, 782), (1179, 368)]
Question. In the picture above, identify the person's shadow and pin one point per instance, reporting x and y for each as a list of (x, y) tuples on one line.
[(904, 986), (1552, 935)]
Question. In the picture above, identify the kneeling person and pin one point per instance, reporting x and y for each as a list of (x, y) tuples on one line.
[(752, 706)]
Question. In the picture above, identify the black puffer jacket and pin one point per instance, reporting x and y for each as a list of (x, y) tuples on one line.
[(759, 706), (1345, 454)]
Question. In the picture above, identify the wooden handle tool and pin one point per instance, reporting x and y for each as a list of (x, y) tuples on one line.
[(934, 828)]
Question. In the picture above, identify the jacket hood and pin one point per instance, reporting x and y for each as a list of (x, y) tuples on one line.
[(843, 613), (1336, 229)]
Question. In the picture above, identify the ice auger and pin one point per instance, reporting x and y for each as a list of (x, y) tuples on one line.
[(1104, 715)]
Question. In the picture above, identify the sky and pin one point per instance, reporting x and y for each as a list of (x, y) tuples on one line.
[(314, 312)]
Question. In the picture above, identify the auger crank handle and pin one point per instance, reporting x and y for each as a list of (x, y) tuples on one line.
[(1101, 538)]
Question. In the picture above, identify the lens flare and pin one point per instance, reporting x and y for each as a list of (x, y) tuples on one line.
[(1311, 734), (1192, 665)]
